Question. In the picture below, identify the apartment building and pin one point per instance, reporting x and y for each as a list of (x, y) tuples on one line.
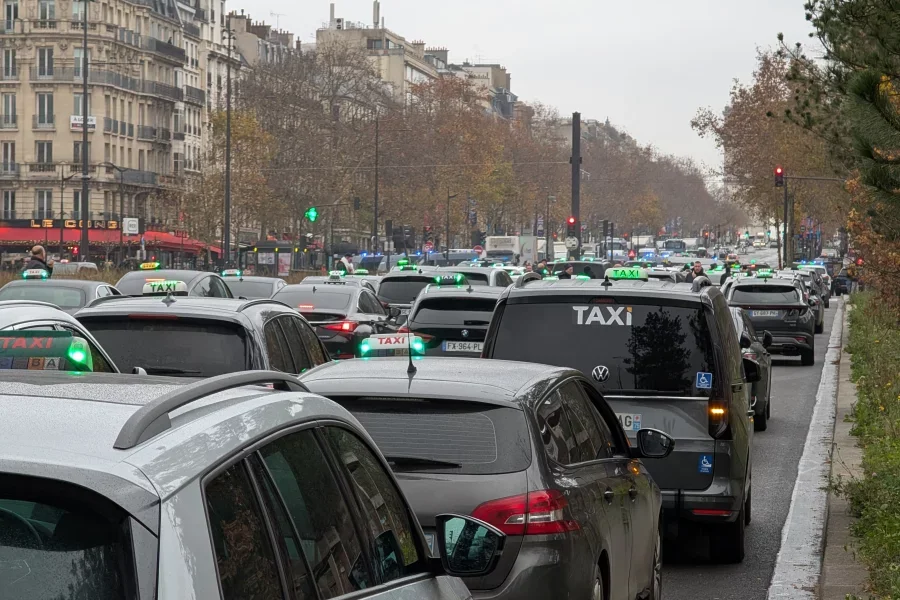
[(259, 43)]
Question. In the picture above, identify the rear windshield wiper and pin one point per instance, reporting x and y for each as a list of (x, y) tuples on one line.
[(169, 371), (420, 461)]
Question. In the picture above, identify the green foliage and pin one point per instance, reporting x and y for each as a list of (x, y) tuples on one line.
[(875, 497)]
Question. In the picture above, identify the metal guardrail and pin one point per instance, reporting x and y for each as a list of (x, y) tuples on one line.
[(165, 49), (8, 121), (194, 95), (43, 121)]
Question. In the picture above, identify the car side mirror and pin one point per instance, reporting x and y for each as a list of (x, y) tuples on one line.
[(138, 371), (767, 339), (746, 342), (468, 547), (394, 312), (751, 370), (652, 443), (243, 298)]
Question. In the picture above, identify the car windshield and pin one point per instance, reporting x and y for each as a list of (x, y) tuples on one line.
[(54, 547), (454, 311), (765, 294), (482, 439), (249, 289), (642, 346), (316, 297), (165, 346), (402, 290), (61, 296)]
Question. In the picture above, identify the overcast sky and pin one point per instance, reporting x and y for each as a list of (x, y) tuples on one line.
[(647, 65)]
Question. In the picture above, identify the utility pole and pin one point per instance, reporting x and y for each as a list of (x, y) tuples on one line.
[(787, 230), (449, 198), (576, 180), (375, 211), (226, 240), (85, 175), (549, 248)]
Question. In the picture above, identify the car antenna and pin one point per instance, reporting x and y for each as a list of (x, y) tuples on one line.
[(168, 300), (606, 281), (411, 368)]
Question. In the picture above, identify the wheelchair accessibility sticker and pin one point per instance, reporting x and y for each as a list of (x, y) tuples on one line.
[(706, 463), (704, 381)]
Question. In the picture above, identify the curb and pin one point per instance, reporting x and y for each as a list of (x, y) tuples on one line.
[(798, 566)]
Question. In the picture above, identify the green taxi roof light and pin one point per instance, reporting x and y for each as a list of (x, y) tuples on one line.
[(418, 346), (402, 261), (361, 272), (582, 277), (77, 354), (752, 261), (627, 273), (35, 274), (336, 273), (150, 266), (364, 348)]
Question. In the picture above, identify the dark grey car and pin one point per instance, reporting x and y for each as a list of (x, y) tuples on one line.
[(69, 295), (663, 355), (126, 486), (754, 346), (533, 450)]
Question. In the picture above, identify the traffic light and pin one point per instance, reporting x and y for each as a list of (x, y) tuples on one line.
[(571, 229), (311, 214), (75, 251), (859, 262), (779, 177), (605, 229), (356, 203)]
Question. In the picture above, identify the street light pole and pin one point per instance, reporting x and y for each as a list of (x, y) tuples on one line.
[(449, 198), (85, 176), (375, 211), (226, 240)]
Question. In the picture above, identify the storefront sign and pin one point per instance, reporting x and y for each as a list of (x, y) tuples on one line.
[(55, 223)]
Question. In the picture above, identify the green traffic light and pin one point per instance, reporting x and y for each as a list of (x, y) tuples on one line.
[(311, 214)]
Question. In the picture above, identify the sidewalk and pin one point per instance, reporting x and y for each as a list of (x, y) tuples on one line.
[(841, 573)]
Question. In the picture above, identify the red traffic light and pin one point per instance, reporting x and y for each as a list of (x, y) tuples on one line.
[(778, 170), (75, 250), (571, 220), (859, 262)]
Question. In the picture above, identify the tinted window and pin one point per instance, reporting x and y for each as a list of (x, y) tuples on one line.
[(244, 554), (218, 289), (477, 278), (482, 439), (63, 297), (402, 290), (54, 547), (605, 426), (316, 297), (277, 348), (296, 345), (592, 444), (454, 311), (366, 304), (661, 348), (767, 293), (202, 287), (383, 506), (503, 279), (556, 431), (249, 289), (177, 347), (319, 513), (311, 342)]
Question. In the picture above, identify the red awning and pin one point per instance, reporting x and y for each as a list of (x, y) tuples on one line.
[(29, 236)]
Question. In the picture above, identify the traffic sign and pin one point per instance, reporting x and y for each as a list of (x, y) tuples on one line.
[(478, 248), (428, 247), (572, 243)]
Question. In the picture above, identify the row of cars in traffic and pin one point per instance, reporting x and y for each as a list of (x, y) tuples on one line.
[(578, 423)]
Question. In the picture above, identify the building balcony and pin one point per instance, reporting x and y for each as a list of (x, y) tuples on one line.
[(8, 122), (8, 215), (194, 95), (42, 168), (191, 29), (138, 177), (43, 122), (42, 214), (127, 36), (161, 89), (9, 169), (164, 135), (77, 167), (146, 133), (166, 49), (10, 25), (10, 74)]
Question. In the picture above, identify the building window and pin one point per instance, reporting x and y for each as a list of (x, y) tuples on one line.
[(10, 14), (79, 60), (47, 13), (43, 204), (9, 204), (8, 157), (45, 62), (78, 11), (9, 64), (43, 152), (8, 111), (141, 163), (44, 116), (76, 205), (76, 152), (77, 107)]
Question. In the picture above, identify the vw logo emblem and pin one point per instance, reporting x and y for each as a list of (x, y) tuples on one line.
[(600, 373), (465, 333)]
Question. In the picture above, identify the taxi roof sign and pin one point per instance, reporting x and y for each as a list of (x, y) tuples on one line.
[(44, 351), (165, 287), (150, 266), (35, 274), (634, 273), (391, 344), (361, 272), (450, 279), (231, 273)]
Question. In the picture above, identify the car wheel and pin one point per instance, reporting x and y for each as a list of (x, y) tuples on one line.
[(598, 592), (827, 303), (761, 422), (820, 328), (808, 358), (726, 543), (656, 574), (748, 506)]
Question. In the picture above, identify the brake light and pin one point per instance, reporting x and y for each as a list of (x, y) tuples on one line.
[(702, 512), (305, 307), (344, 326), (534, 513)]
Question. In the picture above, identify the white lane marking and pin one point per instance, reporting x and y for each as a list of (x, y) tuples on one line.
[(799, 562)]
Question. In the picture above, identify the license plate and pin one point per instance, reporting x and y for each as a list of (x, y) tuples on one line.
[(764, 313), (462, 346), (429, 537), (629, 422)]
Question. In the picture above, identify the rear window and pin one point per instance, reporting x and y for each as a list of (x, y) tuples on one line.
[(51, 547), (133, 285), (249, 289), (322, 298), (765, 294), (482, 439), (63, 297), (179, 347), (402, 290), (477, 278), (454, 311), (644, 347)]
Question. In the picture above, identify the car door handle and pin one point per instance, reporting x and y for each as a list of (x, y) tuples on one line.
[(633, 492), (609, 496)]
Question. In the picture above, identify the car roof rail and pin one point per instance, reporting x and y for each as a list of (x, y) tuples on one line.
[(97, 301), (524, 279), (699, 283), (153, 418)]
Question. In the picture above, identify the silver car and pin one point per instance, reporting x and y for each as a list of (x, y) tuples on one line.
[(115, 486)]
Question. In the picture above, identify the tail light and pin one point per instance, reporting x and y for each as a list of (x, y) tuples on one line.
[(718, 419), (534, 513), (343, 326), (751, 355), (425, 337)]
